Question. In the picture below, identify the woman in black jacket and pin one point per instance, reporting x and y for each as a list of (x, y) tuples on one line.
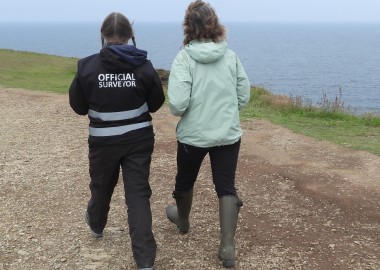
[(118, 88)]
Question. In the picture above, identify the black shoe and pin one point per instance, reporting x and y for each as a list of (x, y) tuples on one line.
[(94, 234)]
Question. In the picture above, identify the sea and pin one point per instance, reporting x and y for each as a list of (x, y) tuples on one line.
[(313, 61)]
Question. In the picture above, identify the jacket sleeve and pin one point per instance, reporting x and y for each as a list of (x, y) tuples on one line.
[(243, 87), (156, 96), (77, 98), (179, 86)]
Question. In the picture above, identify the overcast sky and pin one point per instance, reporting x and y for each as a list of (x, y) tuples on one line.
[(173, 10)]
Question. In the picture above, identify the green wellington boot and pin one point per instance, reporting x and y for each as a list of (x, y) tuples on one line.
[(179, 213), (229, 207)]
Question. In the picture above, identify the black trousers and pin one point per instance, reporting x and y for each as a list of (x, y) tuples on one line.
[(223, 166), (134, 160)]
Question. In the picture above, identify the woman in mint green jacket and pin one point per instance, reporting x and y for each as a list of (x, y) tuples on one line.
[(207, 88)]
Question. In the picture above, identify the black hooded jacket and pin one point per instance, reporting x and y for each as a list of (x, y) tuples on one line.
[(118, 88)]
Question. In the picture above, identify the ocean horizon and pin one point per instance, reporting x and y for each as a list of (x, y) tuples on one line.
[(310, 60)]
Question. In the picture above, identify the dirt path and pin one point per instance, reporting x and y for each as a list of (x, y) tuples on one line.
[(307, 204)]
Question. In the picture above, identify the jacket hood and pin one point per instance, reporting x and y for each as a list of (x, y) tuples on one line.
[(206, 51), (130, 54)]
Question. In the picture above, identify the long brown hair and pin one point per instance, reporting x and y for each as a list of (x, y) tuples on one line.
[(202, 23), (116, 29)]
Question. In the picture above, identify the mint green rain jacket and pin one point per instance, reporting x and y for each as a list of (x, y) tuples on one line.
[(207, 88)]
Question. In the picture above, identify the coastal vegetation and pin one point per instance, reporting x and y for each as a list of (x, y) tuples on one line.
[(36, 71), (327, 120)]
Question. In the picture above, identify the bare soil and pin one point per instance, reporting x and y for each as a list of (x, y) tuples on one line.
[(308, 204)]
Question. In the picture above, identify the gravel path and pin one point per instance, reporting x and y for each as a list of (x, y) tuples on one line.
[(307, 204)]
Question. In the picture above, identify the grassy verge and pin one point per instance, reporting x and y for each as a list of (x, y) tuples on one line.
[(330, 121), (36, 71)]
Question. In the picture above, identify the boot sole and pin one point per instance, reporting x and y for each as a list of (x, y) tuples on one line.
[(227, 263)]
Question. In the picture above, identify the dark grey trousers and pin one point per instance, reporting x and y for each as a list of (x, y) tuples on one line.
[(134, 160)]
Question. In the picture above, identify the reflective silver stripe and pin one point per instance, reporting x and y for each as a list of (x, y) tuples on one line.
[(114, 116), (113, 131)]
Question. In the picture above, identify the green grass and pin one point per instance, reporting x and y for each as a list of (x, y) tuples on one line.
[(329, 121), (36, 71)]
